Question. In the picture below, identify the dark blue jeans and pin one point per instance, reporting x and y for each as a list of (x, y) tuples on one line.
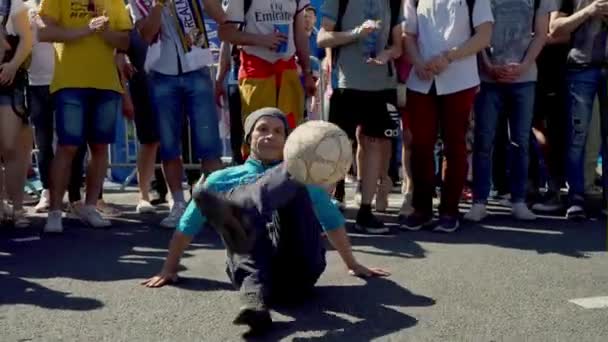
[(491, 101), (583, 86), (288, 255)]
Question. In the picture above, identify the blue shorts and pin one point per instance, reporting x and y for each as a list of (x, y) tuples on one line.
[(189, 94), (86, 115)]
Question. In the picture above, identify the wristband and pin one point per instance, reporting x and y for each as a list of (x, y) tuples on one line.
[(356, 32)]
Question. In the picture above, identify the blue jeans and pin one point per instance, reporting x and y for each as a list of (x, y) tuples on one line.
[(190, 94), (583, 86), (86, 115), (492, 100)]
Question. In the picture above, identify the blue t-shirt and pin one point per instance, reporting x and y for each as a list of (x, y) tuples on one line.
[(192, 222)]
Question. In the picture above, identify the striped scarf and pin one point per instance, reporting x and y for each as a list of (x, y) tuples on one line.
[(187, 18)]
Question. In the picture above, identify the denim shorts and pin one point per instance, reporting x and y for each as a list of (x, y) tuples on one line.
[(86, 115), (189, 94)]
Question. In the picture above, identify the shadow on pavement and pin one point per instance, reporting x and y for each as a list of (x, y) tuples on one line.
[(350, 313), (127, 252), (20, 291), (545, 235)]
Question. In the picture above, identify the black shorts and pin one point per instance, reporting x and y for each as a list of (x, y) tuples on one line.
[(145, 121), (375, 111)]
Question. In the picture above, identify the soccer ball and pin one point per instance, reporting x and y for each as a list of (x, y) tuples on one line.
[(318, 152)]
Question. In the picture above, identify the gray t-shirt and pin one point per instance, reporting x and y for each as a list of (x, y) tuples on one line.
[(588, 42), (353, 71), (513, 33)]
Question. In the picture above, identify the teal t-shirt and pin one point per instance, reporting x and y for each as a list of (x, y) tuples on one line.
[(192, 222)]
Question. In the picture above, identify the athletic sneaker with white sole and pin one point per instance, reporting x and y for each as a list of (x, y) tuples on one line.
[(414, 222), (477, 213), (44, 202), (520, 211), (369, 224), (54, 222), (550, 203), (576, 213), (177, 210), (90, 216), (447, 224), (144, 207)]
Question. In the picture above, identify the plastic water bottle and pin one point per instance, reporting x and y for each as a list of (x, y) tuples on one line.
[(370, 13)]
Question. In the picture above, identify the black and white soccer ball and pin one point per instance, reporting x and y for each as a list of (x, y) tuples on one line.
[(318, 152)]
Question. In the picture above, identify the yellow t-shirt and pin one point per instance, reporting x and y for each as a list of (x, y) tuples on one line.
[(87, 62)]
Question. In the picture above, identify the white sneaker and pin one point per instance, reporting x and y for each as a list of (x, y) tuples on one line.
[(171, 221), (44, 203), (477, 213), (144, 207), (53, 222), (521, 212), (90, 216)]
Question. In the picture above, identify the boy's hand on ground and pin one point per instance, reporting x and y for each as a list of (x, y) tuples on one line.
[(160, 280), (359, 270)]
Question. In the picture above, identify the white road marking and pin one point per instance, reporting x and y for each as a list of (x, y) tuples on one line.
[(27, 239), (591, 302)]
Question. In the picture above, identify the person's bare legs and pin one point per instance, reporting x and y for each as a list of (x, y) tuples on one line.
[(406, 155), (174, 170), (96, 172), (407, 187), (16, 167), (385, 183), (371, 169), (146, 159), (61, 169), (2, 178), (16, 155), (370, 151)]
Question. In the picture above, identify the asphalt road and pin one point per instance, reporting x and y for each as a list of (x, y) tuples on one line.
[(502, 280)]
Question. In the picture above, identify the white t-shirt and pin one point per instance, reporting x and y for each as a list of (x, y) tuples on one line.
[(16, 8), (43, 55), (442, 25), (262, 17)]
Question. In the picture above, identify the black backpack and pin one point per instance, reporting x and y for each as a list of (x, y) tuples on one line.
[(395, 13)]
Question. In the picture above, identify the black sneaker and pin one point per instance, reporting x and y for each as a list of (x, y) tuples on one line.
[(368, 223), (550, 203), (447, 224), (576, 213), (258, 319), (414, 222)]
